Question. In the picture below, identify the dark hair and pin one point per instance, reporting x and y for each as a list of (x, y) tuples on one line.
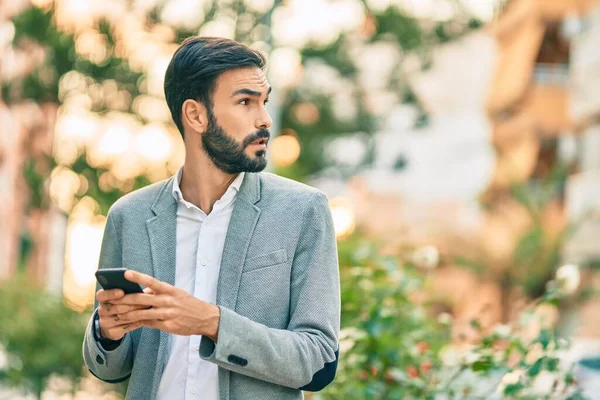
[(197, 64)]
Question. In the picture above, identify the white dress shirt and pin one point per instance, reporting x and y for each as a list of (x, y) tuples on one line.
[(200, 241)]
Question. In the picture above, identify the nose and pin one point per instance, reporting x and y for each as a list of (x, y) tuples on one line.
[(264, 121)]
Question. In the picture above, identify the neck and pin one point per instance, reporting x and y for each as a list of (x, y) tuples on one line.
[(202, 183)]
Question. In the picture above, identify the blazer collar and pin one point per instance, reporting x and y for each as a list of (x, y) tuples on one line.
[(249, 191)]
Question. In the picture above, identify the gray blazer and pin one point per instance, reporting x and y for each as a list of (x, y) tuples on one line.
[(278, 291)]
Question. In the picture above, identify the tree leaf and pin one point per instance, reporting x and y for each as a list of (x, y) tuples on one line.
[(513, 388), (535, 368), (544, 338)]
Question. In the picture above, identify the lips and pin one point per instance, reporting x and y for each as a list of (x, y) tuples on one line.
[(261, 141)]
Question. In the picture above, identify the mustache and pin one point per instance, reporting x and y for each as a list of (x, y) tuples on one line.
[(259, 134)]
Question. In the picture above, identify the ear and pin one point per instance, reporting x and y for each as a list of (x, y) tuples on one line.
[(194, 116)]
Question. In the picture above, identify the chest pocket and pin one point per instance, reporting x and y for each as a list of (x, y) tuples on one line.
[(265, 260)]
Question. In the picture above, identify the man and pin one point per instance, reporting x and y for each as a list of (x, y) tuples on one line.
[(240, 267)]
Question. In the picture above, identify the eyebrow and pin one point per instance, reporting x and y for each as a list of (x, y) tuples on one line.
[(250, 92)]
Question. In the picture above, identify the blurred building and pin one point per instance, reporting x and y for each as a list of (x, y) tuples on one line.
[(506, 104), (11, 207), (32, 230), (545, 105)]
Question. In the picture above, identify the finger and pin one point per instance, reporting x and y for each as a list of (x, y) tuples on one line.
[(109, 324), (107, 295), (103, 310), (109, 310), (148, 291), (142, 299), (106, 310), (148, 281), (122, 309), (116, 332), (140, 315)]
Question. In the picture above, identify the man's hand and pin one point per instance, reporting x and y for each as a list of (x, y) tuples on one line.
[(111, 324), (173, 310)]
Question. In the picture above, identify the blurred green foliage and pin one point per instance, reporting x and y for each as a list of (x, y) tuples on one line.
[(35, 24), (40, 336), (538, 251), (393, 23), (394, 348), (382, 325)]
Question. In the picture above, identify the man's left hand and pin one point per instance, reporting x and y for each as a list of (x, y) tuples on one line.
[(173, 310)]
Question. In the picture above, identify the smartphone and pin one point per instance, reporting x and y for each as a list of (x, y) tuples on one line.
[(114, 278)]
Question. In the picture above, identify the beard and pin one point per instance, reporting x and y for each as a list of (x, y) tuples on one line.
[(227, 154)]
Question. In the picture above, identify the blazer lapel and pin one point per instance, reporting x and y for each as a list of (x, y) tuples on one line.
[(162, 230), (241, 226)]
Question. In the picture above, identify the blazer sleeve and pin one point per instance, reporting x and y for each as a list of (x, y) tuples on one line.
[(305, 355), (115, 365)]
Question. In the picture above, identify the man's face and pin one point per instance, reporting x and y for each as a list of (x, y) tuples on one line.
[(237, 133)]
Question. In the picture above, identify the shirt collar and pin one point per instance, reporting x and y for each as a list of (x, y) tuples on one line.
[(233, 189)]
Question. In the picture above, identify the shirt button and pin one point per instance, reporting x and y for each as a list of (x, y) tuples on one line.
[(203, 263), (193, 391)]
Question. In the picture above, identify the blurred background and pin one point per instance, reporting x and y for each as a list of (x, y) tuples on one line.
[(458, 142)]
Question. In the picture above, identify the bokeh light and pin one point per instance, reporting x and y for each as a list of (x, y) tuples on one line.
[(284, 150), (84, 239), (343, 215)]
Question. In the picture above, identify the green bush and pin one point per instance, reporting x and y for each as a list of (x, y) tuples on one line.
[(392, 348), (40, 337)]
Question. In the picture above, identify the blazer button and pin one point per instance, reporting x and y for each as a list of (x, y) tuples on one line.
[(237, 360), (99, 360)]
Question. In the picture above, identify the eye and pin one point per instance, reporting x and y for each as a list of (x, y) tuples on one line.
[(244, 102)]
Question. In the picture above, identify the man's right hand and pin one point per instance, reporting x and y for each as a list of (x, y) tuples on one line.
[(108, 313)]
